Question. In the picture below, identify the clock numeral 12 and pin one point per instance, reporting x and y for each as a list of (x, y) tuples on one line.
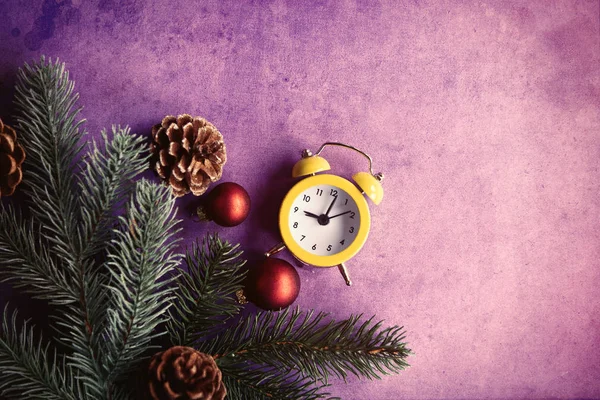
[(333, 192)]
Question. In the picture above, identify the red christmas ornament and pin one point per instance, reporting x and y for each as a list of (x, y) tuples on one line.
[(273, 285), (228, 204)]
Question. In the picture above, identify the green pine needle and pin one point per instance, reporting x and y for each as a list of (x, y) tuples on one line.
[(310, 344), (30, 369), (46, 116), (27, 263), (107, 311), (138, 260), (249, 382), (106, 181), (205, 291)]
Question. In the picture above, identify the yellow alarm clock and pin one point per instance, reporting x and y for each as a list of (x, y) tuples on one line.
[(324, 219)]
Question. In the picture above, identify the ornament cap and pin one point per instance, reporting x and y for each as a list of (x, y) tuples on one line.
[(310, 165), (201, 215), (370, 185)]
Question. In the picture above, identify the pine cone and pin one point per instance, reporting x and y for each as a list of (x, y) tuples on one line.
[(11, 158), (188, 153), (184, 373)]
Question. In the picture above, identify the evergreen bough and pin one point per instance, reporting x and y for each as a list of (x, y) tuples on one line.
[(99, 247)]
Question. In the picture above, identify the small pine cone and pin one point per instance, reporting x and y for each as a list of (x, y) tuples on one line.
[(11, 158), (188, 153), (184, 373)]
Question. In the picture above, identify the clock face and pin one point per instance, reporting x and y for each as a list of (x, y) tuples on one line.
[(324, 219)]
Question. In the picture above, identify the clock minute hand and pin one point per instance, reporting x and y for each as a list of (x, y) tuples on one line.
[(331, 205), (338, 215)]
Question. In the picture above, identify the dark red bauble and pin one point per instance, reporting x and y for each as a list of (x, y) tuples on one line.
[(228, 204), (272, 285)]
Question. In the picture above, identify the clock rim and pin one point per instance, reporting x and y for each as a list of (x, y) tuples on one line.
[(361, 235)]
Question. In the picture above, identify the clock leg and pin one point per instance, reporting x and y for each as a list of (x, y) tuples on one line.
[(301, 263), (275, 249), (344, 272)]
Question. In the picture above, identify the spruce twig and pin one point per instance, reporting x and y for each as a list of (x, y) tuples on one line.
[(28, 368), (249, 382), (56, 253), (45, 103), (315, 347), (139, 258), (26, 261), (205, 291), (106, 181), (46, 117)]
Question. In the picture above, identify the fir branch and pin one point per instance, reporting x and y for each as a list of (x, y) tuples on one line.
[(30, 370), (83, 334), (138, 260), (205, 291), (300, 340), (26, 261), (77, 223), (248, 382), (106, 181), (46, 116)]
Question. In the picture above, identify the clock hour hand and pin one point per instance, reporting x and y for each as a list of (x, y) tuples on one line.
[(338, 215), (309, 214)]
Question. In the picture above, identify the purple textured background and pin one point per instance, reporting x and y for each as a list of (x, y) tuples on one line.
[(484, 117)]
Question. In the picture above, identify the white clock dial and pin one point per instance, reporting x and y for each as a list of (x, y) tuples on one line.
[(324, 220)]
